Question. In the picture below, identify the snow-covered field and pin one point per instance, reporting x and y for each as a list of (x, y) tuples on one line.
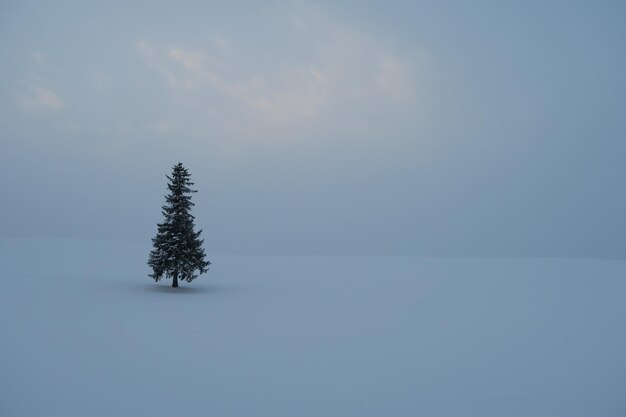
[(86, 333)]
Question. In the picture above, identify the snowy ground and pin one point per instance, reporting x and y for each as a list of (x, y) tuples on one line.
[(86, 333)]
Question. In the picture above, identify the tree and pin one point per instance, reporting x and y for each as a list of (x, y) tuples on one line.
[(177, 249)]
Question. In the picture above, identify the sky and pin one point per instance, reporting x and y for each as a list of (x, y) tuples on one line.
[(421, 128)]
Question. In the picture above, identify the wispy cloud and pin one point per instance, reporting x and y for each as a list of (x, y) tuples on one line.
[(221, 42), (344, 74), (38, 97), (38, 57)]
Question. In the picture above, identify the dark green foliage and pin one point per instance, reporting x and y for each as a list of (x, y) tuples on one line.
[(178, 252)]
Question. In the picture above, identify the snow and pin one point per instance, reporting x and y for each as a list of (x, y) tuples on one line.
[(85, 332)]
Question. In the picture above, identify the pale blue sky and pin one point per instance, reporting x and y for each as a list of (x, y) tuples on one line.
[(365, 127)]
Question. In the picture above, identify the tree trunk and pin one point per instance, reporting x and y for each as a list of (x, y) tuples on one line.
[(175, 281)]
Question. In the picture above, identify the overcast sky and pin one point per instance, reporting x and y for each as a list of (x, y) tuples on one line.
[(362, 127)]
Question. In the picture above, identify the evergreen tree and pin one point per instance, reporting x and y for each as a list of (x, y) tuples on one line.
[(178, 252)]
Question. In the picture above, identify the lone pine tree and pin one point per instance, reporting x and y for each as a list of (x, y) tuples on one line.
[(177, 249)]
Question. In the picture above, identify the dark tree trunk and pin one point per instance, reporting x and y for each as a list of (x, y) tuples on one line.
[(175, 281)]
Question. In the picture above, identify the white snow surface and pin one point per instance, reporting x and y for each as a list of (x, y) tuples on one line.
[(85, 332)]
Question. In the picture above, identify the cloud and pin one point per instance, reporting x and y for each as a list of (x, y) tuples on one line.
[(297, 95), (38, 57), (192, 61), (325, 73), (155, 60), (39, 98), (220, 42)]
